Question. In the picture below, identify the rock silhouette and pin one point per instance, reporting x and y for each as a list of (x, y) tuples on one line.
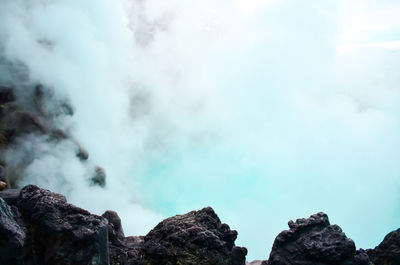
[(39, 227)]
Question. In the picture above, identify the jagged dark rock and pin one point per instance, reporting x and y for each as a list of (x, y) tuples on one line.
[(388, 251), (313, 241), (197, 237), (115, 230), (61, 233), (39, 227), (6, 94), (238, 256), (12, 237), (361, 258), (10, 196)]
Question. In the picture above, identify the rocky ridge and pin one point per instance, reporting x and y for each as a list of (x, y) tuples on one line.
[(39, 227)]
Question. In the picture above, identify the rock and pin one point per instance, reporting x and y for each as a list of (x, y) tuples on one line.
[(61, 233), (117, 248), (238, 256), (388, 251), (197, 238), (12, 237), (10, 196), (6, 94), (115, 231), (313, 241), (361, 258), (20, 122), (99, 177), (127, 251), (133, 245), (257, 262)]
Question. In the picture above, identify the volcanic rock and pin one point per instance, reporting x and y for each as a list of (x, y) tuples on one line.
[(10, 196), (20, 123), (195, 238), (12, 237), (388, 251), (61, 233), (313, 241), (6, 94), (115, 231), (239, 256)]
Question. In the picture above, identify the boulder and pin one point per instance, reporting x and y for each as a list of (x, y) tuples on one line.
[(388, 251), (238, 256), (313, 241), (10, 196), (361, 258), (61, 233), (12, 237), (117, 247), (115, 231), (195, 238)]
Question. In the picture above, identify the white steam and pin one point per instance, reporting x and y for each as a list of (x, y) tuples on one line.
[(265, 110)]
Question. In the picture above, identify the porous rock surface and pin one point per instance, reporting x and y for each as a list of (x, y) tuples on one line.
[(39, 227), (315, 241), (12, 237), (59, 232), (197, 237), (388, 251)]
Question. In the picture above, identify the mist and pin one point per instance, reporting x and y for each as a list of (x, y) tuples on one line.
[(265, 110)]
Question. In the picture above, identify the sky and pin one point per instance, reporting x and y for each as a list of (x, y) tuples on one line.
[(266, 110)]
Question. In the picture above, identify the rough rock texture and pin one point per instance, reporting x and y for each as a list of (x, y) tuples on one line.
[(313, 241), (39, 227), (61, 233), (10, 196), (12, 237), (388, 251), (197, 237), (361, 258), (257, 262), (117, 245), (238, 256)]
